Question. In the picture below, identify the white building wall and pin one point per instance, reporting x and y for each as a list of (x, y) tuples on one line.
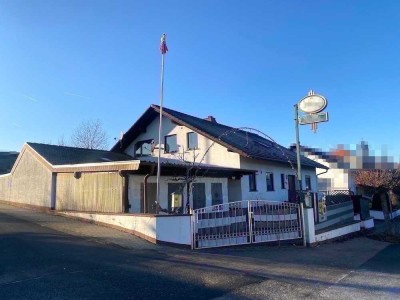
[(340, 179), (277, 169), (208, 152), (136, 180)]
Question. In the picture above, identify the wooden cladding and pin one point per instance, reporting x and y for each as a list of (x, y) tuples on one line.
[(95, 192)]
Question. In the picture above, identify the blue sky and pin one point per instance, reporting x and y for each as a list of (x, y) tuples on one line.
[(245, 62)]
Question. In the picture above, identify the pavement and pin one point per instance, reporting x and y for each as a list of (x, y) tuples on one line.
[(355, 268)]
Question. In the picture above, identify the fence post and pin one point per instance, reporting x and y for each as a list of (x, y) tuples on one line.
[(192, 218), (303, 225), (309, 226), (250, 222)]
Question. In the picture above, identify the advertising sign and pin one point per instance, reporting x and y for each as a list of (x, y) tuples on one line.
[(313, 104)]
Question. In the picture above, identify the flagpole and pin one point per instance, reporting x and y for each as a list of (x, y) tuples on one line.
[(163, 49)]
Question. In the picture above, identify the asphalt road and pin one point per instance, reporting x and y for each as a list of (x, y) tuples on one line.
[(40, 263), (52, 257)]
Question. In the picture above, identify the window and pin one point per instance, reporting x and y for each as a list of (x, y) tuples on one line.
[(283, 181), (252, 183), (270, 181), (308, 182), (144, 148), (170, 144), (192, 142)]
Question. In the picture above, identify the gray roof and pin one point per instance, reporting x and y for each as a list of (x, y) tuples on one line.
[(7, 160), (245, 143), (62, 155)]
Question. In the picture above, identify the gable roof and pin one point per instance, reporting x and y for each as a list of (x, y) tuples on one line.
[(63, 155), (243, 142)]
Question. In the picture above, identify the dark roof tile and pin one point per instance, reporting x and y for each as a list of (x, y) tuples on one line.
[(62, 155), (245, 143), (7, 160)]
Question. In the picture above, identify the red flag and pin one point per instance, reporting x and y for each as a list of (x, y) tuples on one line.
[(163, 45)]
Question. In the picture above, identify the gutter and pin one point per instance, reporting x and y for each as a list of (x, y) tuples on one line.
[(323, 172)]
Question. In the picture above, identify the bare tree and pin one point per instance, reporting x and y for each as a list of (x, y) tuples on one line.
[(61, 141), (190, 176), (90, 135), (378, 179)]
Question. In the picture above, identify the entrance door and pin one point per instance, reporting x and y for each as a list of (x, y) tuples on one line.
[(216, 193), (199, 195), (292, 188), (234, 190), (151, 198)]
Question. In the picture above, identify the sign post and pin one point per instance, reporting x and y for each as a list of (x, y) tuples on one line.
[(312, 105)]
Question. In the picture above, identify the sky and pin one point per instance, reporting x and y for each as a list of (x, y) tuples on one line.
[(247, 63)]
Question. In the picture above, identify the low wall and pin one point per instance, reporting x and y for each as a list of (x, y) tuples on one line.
[(378, 214), (153, 228), (174, 229), (337, 232), (312, 236)]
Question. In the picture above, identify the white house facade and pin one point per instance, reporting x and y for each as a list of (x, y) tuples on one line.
[(268, 169)]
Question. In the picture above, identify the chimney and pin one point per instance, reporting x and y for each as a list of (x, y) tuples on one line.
[(211, 119)]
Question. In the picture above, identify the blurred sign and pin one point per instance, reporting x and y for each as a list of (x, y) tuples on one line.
[(176, 200), (313, 118), (322, 212), (313, 103)]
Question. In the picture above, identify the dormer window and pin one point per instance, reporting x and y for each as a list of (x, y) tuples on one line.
[(171, 144), (144, 148), (192, 141)]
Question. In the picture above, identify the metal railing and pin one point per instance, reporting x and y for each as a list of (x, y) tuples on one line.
[(275, 221), (246, 222)]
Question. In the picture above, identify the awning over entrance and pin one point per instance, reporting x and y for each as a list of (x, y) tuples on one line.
[(173, 167)]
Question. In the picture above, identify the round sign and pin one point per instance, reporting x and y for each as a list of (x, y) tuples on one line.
[(313, 104)]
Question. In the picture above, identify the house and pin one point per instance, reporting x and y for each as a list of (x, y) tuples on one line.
[(68, 178), (224, 173), (203, 163), (343, 164), (207, 144)]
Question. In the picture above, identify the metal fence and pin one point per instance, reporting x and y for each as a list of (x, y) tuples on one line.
[(332, 208), (246, 222), (275, 221), (336, 196)]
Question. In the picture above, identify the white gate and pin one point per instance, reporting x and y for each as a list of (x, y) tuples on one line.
[(246, 222)]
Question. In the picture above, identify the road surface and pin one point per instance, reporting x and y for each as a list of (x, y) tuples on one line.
[(45, 256)]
